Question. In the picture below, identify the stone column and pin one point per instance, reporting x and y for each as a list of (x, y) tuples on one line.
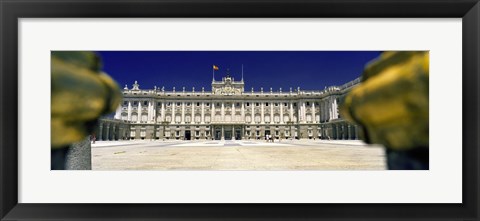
[(291, 112), (223, 134), (262, 113), (233, 112), (212, 116), (108, 132), (162, 112), (281, 112), (223, 112), (253, 113), (334, 108), (299, 112), (243, 132), (192, 109), (173, 105), (202, 118), (139, 112), (154, 111), (100, 131), (243, 112), (271, 113), (314, 115), (183, 113), (337, 128), (349, 137), (330, 113), (129, 111), (113, 131), (233, 132), (149, 111), (303, 112)]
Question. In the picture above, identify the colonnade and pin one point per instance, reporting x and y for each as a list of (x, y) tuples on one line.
[(254, 111)]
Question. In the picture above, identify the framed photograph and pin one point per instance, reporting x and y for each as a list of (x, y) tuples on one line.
[(229, 110)]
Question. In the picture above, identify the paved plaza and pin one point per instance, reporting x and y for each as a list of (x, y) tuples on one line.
[(237, 155)]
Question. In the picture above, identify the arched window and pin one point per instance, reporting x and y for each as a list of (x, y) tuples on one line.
[(309, 118), (267, 119), (276, 118), (257, 119)]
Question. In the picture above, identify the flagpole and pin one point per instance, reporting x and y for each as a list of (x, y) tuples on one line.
[(242, 72), (213, 74)]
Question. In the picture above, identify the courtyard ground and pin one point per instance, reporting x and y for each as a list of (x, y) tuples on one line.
[(237, 155)]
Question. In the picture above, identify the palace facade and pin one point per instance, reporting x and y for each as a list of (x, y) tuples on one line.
[(228, 112)]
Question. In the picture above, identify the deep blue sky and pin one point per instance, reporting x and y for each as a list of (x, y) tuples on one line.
[(311, 70)]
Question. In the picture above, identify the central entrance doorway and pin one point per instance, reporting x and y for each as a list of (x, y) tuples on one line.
[(188, 135), (228, 134)]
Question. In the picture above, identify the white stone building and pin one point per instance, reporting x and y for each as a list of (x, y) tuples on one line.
[(228, 112)]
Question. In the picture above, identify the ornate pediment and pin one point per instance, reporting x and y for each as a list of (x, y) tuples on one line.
[(227, 86)]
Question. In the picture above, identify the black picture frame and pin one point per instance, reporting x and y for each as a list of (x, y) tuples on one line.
[(12, 10)]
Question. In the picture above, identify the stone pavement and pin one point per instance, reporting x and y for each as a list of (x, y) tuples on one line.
[(237, 155)]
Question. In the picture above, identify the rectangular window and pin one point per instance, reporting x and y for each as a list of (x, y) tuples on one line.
[(145, 103), (257, 104), (248, 104), (266, 104), (285, 104), (198, 104)]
